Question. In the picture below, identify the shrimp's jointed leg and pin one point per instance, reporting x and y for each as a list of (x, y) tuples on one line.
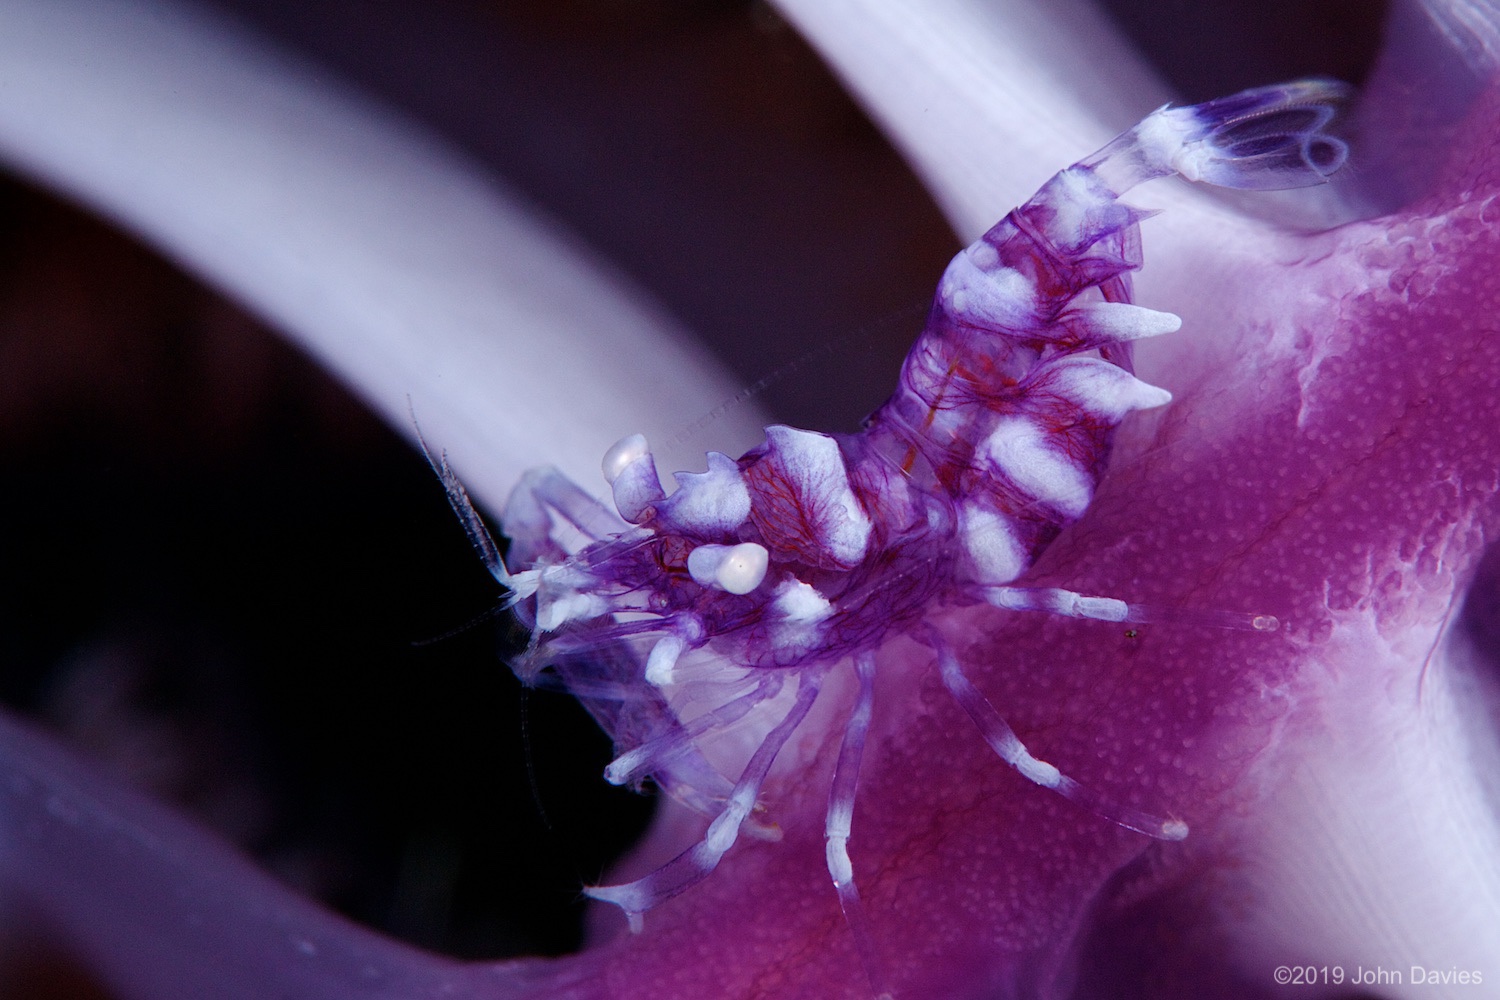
[(841, 821), (1003, 740), (654, 755), (694, 864), (1110, 609), (527, 519)]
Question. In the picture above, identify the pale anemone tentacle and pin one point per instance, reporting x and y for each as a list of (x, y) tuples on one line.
[(162, 908), (979, 95), (416, 277)]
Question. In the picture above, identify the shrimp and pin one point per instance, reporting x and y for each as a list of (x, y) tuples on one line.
[(744, 587)]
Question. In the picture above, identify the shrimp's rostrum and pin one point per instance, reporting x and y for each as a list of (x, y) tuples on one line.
[(810, 551)]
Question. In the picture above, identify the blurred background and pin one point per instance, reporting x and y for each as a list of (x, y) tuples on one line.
[(220, 573)]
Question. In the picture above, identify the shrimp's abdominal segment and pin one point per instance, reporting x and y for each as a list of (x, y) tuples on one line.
[(674, 617)]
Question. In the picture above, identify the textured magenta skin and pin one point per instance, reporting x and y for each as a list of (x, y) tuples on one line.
[(1373, 509)]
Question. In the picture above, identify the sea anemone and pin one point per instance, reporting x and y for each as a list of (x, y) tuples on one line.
[(1327, 459)]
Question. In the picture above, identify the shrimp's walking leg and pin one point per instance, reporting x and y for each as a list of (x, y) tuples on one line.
[(652, 755), (841, 821), (1004, 741), (1110, 609), (694, 864), (528, 523)]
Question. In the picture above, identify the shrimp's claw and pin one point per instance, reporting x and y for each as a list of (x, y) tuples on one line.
[(1265, 139)]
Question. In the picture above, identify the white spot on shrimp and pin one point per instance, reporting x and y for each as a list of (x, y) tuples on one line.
[(622, 454), (1163, 139), (558, 608), (812, 468), (734, 569), (800, 603), (662, 663), (1002, 297), (1019, 450), (1075, 195), (712, 502), (1039, 771), (1124, 321), (992, 552), (1103, 390)]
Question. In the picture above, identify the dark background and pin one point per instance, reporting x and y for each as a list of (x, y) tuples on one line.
[(216, 564)]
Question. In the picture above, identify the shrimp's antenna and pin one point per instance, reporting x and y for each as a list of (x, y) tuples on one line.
[(791, 367), (468, 516), (482, 618)]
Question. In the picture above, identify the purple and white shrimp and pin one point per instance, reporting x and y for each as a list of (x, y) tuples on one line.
[(738, 592)]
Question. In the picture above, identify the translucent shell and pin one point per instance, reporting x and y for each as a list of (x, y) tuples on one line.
[(752, 580)]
